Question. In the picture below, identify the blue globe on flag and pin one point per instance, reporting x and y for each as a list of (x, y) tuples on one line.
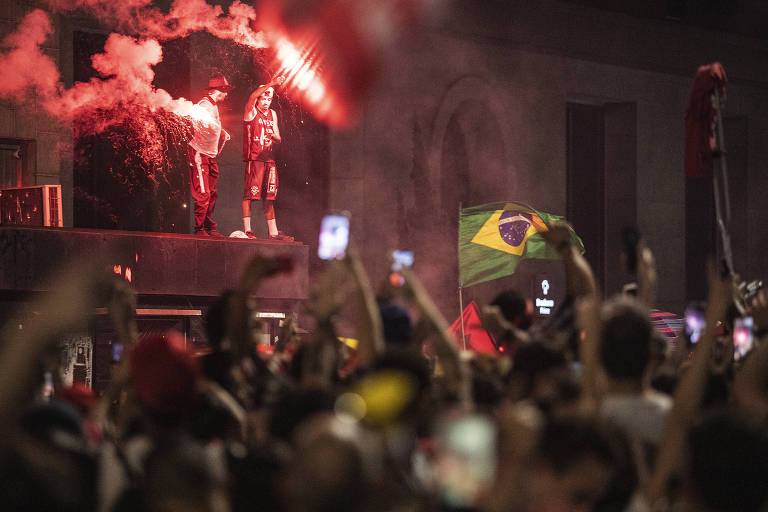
[(513, 226)]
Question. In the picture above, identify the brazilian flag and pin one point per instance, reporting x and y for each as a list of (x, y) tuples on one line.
[(494, 237)]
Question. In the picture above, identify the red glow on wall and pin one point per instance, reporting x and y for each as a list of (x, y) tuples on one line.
[(306, 80), (332, 52)]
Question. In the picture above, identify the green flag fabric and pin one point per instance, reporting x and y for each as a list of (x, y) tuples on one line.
[(494, 237)]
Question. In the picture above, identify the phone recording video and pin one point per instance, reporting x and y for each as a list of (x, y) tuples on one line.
[(630, 238), (695, 321), (334, 237), (117, 352), (400, 260), (743, 336)]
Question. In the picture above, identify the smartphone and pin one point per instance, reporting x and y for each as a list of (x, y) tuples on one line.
[(630, 238), (694, 321), (743, 336), (334, 237), (117, 352), (400, 260)]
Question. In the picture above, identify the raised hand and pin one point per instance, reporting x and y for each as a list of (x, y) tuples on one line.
[(558, 235), (646, 275)]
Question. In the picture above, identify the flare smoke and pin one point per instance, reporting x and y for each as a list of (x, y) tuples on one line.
[(126, 66)]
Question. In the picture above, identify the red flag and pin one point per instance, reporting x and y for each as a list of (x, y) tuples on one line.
[(700, 119), (476, 337)]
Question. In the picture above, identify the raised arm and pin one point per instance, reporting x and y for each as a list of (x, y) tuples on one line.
[(253, 98), (68, 305), (578, 274), (456, 375), (748, 386), (367, 318), (688, 394), (646, 275)]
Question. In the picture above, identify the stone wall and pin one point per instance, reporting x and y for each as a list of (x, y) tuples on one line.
[(497, 80)]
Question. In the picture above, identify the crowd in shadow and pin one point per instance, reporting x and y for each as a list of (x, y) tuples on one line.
[(592, 410)]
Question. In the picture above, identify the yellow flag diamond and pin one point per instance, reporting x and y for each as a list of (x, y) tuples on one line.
[(503, 230)]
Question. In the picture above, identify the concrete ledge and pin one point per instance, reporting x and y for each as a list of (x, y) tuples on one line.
[(160, 263)]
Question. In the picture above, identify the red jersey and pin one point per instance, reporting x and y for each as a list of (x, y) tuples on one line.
[(257, 137)]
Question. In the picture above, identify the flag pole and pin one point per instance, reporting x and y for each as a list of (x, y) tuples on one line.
[(461, 301)]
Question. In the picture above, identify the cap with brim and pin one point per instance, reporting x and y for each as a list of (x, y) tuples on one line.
[(219, 83)]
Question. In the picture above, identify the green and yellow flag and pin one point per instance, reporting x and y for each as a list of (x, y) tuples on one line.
[(494, 237)]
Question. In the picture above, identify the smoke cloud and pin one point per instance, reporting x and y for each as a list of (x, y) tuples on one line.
[(183, 18), (126, 65), (25, 64)]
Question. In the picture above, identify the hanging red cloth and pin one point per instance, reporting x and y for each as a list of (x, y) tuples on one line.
[(476, 337), (700, 118)]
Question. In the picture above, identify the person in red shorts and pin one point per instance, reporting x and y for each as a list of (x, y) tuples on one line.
[(260, 134), (206, 144)]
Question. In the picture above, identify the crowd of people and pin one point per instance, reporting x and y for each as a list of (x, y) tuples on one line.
[(593, 410)]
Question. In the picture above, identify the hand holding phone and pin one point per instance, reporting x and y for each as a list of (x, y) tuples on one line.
[(117, 352), (334, 237), (400, 260), (630, 238), (695, 321), (743, 336)]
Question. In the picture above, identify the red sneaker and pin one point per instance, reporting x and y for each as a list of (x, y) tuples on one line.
[(281, 237), (250, 234)]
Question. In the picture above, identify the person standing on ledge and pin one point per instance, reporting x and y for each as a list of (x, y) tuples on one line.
[(260, 134), (206, 144)]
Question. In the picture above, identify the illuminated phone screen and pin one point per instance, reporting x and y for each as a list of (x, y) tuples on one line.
[(334, 237), (695, 323), (743, 336), (401, 260)]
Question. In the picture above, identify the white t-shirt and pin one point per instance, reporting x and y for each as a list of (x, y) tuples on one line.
[(205, 117), (641, 416)]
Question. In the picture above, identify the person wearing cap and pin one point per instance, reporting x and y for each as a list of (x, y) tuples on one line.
[(206, 144), (260, 134)]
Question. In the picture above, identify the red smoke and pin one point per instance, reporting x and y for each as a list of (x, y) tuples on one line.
[(25, 64), (126, 66), (183, 18)]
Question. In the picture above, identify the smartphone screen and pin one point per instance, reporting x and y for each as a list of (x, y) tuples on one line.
[(694, 322), (334, 237), (117, 352), (743, 336), (401, 260)]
